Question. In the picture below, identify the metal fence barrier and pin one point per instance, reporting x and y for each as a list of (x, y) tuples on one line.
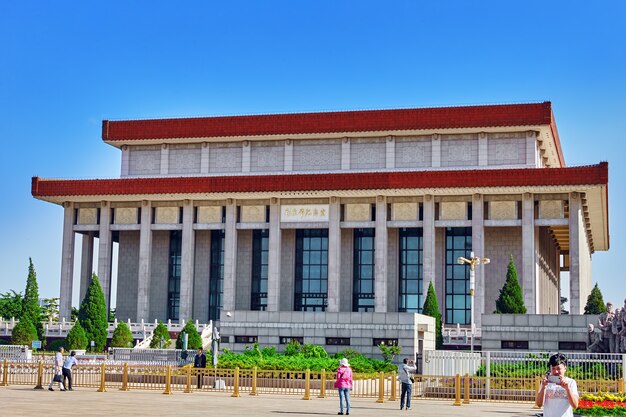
[(457, 389)]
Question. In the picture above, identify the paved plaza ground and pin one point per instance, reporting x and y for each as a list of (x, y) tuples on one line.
[(25, 401)]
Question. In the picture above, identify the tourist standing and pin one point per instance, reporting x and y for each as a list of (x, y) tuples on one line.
[(67, 370), (558, 394), (200, 362), (406, 368), (343, 383), (57, 370)]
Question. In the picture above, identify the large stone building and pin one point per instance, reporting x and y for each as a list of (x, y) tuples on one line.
[(346, 214)]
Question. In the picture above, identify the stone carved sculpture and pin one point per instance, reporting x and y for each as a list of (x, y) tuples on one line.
[(594, 339), (605, 322), (616, 330)]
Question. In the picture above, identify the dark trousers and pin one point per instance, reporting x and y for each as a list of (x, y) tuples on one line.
[(200, 377), (67, 374), (407, 390)]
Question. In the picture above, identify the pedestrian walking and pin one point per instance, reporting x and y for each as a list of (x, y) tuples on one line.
[(406, 368), (343, 383), (200, 362), (57, 370), (67, 370)]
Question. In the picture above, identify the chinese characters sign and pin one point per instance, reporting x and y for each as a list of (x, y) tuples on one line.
[(304, 213)]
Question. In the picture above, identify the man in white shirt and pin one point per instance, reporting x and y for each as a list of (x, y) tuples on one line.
[(558, 394), (57, 370)]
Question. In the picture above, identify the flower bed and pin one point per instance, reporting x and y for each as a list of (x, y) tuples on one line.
[(602, 405)]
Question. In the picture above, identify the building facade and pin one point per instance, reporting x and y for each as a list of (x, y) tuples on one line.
[(339, 212)]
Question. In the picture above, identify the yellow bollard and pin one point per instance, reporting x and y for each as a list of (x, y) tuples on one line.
[(466, 389), (102, 379), (253, 390), (39, 376), (188, 387), (168, 380), (538, 381), (5, 373), (307, 385), (124, 386), (381, 388), (236, 383), (457, 390), (620, 385), (322, 384), (393, 395)]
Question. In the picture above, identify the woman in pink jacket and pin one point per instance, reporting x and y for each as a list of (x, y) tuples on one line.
[(343, 383)]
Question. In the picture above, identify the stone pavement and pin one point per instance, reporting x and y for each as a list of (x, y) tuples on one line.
[(25, 401)]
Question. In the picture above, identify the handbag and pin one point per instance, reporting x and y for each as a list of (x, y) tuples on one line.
[(57, 378), (412, 379)]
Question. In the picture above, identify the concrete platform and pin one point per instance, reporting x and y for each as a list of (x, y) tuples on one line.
[(25, 401)]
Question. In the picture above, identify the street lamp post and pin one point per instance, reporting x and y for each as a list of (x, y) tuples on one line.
[(472, 262)]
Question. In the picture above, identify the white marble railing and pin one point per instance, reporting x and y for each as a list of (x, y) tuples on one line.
[(459, 335), (140, 330)]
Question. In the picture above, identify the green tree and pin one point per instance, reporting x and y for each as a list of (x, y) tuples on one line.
[(122, 336), (30, 303), (389, 351), (160, 334), (194, 341), (11, 304), (50, 309), (595, 302), (76, 338), (431, 308), (92, 315), (511, 300), (24, 332)]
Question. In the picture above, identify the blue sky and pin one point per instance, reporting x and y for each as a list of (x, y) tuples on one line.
[(65, 66)]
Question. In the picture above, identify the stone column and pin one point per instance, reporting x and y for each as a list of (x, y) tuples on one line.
[(230, 256), (576, 233), (274, 258), (380, 256), (428, 240), (86, 264), (105, 252), (334, 255), (478, 246), (145, 260), (529, 280), (187, 263), (67, 262)]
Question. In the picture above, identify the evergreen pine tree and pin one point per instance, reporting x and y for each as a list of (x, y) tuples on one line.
[(30, 303), (76, 339), (24, 332), (431, 308), (194, 341), (159, 332), (595, 302), (122, 336), (93, 315), (511, 300)]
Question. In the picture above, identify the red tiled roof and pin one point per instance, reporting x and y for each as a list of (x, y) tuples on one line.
[(593, 175), (331, 122)]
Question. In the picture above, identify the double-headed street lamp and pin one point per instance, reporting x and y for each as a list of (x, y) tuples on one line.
[(472, 261)]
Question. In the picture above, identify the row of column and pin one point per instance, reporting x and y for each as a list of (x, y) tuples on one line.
[(529, 262)]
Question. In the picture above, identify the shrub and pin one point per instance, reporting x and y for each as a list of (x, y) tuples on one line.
[(310, 350), (93, 315), (76, 338), (389, 351), (160, 331), (511, 300), (194, 341), (348, 353), (292, 348), (24, 332), (122, 336), (431, 308)]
